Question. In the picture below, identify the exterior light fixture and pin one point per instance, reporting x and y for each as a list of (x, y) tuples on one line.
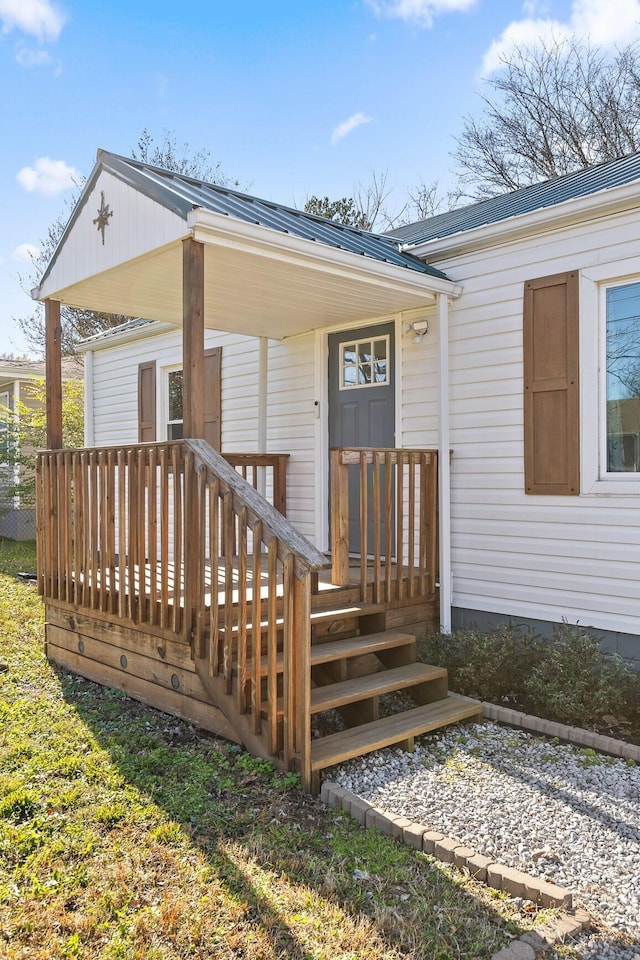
[(419, 329)]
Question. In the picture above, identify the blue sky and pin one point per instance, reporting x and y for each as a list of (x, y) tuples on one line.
[(293, 98)]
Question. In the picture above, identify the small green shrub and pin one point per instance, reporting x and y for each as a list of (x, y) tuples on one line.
[(488, 666), (575, 682), (568, 678)]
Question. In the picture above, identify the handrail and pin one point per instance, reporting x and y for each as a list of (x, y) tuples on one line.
[(256, 464), (170, 538), (288, 536), (395, 529)]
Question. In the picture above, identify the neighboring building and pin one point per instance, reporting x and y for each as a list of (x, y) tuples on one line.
[(17, 379)]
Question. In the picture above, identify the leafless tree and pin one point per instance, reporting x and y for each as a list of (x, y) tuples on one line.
[(555, 107), (365, 209)]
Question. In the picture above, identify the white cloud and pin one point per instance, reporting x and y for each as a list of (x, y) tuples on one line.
[(38, 18), (25, 253), (603, 23), (28, 57), (421, 11), (344, 129), (48, 176)]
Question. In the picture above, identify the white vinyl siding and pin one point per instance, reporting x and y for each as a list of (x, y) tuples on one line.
[(290, 414), (545, 558), (138, 226)]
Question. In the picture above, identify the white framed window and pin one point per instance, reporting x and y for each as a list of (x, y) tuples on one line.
[(365, 363), (620, 380), (4, 421), (172, 409)]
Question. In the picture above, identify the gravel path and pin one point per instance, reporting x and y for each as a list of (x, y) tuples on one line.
[(550, 809)]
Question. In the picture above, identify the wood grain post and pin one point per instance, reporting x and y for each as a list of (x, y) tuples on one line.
[(53, 369), (192, 411), (339, 519), (193, 337)]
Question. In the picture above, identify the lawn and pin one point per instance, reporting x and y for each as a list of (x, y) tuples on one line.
[(128, 834)]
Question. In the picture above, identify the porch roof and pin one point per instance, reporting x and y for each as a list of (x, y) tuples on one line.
[(270, 270)]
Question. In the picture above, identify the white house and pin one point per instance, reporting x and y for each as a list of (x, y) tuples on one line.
[(560, 540), (458, 406)]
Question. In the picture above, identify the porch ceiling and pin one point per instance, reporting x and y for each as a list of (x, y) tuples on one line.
[(257, 282)]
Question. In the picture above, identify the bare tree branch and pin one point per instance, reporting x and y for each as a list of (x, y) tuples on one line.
[(555, 107)]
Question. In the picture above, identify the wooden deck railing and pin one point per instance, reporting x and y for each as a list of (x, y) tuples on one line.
[(395, 493), (171, 538), (266, 472)]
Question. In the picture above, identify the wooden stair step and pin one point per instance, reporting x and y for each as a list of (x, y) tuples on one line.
[(373, 685), (345, 611), (331, 650), (326, 614), (367, 737)]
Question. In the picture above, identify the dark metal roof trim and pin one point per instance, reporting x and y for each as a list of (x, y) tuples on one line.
[(538, 196), (182, 194)]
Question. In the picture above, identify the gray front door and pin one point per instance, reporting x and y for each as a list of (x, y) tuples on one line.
[(361, 401)]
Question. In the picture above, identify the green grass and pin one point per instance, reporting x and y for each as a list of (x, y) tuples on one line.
[(125, 834), (17, 557)]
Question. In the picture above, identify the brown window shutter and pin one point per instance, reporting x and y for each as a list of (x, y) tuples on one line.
[(551, 389), (147, 402), (213, 396)]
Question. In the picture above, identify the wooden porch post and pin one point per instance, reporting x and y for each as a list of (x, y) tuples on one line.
[(193, 416), (53, 370), (193, 338)]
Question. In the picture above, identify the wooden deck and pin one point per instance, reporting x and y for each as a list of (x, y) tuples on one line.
[(168, 574)]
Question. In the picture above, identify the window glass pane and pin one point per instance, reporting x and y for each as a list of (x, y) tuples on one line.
[(380, 371), (623, 378), (175, 431), (4, 423), (175, 395), (364, 373), (349, 376), (364, 352), (380, 349), (349, 353)]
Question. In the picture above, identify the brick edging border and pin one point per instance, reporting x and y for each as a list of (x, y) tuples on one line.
[(550, 728), (571, 920)]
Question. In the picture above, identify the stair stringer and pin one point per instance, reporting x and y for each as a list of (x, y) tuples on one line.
[(241, 723)]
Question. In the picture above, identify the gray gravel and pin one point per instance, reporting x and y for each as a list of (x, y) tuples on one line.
[(553, 810)]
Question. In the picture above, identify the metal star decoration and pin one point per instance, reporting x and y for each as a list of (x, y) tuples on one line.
[(104, 214)]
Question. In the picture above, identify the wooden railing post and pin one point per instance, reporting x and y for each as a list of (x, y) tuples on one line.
[(280, 484), (192, 545), (302, 667), (434, 528), (42, 524), (339, 519), (193, 337), (53, 348)]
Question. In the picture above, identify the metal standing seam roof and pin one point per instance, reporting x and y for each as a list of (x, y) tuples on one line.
[(183, 194), (549, 193)]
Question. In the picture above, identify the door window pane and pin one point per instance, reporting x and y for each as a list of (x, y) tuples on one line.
[(623, 378), (365, 363)]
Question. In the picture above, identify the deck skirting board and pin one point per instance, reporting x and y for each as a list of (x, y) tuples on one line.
[(130, 662)]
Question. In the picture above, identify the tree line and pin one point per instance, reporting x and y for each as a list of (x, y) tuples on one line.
[(552, 108)]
